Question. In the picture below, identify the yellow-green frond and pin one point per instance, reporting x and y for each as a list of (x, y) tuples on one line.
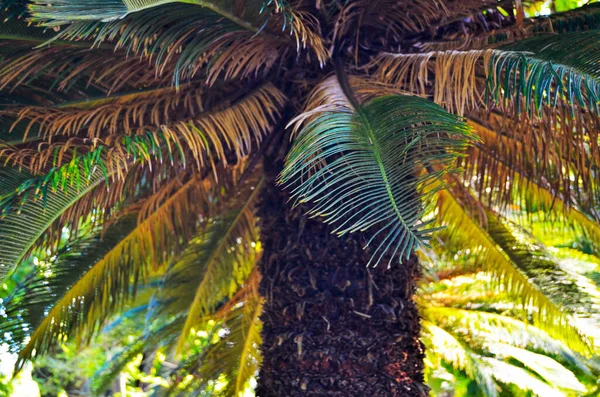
[(112, 279), (467, 232), (220, 259)]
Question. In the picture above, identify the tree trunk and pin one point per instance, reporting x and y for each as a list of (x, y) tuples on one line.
[(332, 326)]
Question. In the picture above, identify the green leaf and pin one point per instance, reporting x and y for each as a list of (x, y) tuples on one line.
[(454, 352), (484, 328), (523, 379), (235, 356), (25, 306), (373, 157)]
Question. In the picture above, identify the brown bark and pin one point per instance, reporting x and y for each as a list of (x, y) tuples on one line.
[(332, 326)]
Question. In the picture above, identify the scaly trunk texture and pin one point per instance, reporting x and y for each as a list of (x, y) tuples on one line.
[(332, 326)]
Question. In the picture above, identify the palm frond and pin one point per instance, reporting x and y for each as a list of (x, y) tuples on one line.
[(11, 179), (102, 69), (523, 379), (359, 166), (52, 275), (396, 18), (180, 42), (489, 372), (212, 37), (215, 264), (235, 355), (467, 232), (457, 354), (522, 76), (577, 20), (67, 11), (24, 224), (510, 161), (484, 328), (71, 182), (14, 8), (205, 137), (500, 166), (551, 371), (538, 266), (112, 279)]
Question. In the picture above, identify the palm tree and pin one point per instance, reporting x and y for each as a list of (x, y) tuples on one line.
[(162, 123)]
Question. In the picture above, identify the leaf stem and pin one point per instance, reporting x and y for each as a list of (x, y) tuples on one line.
[(342, 76)]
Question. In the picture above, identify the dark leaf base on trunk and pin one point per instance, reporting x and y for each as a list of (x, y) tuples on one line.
[(333, 327)]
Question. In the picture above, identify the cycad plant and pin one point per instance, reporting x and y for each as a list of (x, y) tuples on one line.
[(167, 127)]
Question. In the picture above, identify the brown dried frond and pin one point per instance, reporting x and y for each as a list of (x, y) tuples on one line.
[(107, 70), (240, 58), (306, 31), (203, 136), (392, 16), (505, 186), (449, 76), (556, 151), (116, 114)]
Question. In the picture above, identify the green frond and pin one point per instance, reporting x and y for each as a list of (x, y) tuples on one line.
[(249, 355), (13, 8), (577, 20), (67, 11), (551, 371), (234, 358), (488, 371), (360, 167), (23, 224), (467, 232), (539, 71), (113, 276), (542, 271), (65, 305), (11, 179), (454, 352), (51, 274), (484, 328), (523, 379), (18, 29)]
